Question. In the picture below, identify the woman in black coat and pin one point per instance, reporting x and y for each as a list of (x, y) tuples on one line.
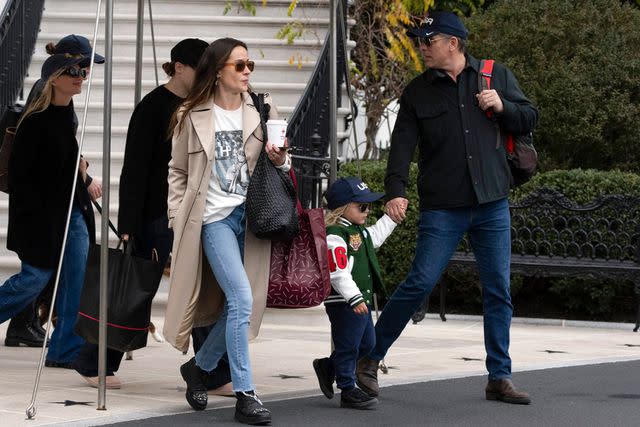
[(41, 176)]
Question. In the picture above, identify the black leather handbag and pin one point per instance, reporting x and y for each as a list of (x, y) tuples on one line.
[(271, 198)]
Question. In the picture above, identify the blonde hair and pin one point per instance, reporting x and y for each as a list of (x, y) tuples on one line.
[(332, 216), (43, 100)]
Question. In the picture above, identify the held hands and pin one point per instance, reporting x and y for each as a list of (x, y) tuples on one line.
[(489, 98), (277, 155), (361, 308), (396, 208)]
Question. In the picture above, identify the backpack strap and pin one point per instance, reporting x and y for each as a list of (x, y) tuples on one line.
[(484, 78), (484, 83)]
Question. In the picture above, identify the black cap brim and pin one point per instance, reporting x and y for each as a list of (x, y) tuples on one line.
[(86, 61)]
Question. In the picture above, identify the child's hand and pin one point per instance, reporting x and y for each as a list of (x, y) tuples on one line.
[(361, 308)]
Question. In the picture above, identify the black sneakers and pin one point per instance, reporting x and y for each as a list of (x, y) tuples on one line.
[(196, 390), (250, 410), (357, 399), (324, 372)]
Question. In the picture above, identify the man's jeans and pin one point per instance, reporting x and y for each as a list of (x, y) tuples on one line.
[(440, 231), (22, 288), (223, 244)]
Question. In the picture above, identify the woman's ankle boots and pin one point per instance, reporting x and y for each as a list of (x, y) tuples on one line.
[(196, 390)]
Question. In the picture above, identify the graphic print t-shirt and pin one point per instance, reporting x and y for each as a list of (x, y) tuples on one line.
[(229, 173)]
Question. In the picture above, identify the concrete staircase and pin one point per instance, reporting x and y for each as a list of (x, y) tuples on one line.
[(281, 69)]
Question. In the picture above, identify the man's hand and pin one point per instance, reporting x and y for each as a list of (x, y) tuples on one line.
[(490, 99), (361, 308), (397, 209), (95, 190)]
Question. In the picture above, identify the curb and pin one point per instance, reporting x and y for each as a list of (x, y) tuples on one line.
[(160, 303), (541, 321)]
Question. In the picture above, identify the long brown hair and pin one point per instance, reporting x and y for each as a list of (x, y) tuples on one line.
[(204, 84)]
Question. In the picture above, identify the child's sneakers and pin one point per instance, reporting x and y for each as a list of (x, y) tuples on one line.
[(357, 399), (324, 372)]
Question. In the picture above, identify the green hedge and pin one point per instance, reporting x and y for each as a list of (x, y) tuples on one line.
[(567, 298), (579, 62)]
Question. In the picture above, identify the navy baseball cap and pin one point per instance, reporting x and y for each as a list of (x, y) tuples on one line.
[(350, 189), (78, 45), (58, 61), (440, 23)]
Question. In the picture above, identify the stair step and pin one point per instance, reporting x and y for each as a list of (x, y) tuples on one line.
[(261, 48), (215, 26), (276, 8)]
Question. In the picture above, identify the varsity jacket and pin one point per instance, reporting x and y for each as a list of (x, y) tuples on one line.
[(354, 269)]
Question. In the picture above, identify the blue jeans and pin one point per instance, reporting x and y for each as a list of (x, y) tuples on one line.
[(439, 232), (223, 244), (353, 337), (22, 288)]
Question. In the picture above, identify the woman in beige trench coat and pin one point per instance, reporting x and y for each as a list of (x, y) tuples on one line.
[(216, 143)]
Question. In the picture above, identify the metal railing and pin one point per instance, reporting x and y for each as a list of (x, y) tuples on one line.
[(19, 26), (308, 128)]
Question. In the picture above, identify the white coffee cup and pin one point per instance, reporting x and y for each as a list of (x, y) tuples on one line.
[(276, 132)]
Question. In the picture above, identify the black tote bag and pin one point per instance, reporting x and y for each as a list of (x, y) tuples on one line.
[(132, 284), (271, 198)]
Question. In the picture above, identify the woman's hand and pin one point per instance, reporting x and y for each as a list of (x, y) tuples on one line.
[(82, 167), (277, 155), (95, 190)]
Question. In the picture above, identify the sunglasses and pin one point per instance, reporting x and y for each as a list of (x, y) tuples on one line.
[(241, 64), (364, 207), (428, 41), (75, 72)]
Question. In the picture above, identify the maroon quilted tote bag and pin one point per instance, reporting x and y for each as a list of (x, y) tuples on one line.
[(299, 275)]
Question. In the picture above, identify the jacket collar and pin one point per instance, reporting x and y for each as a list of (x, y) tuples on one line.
[(432, 74), (344, 221), (203, 119)]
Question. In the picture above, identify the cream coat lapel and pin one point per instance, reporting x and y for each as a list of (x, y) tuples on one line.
[(203, 119)]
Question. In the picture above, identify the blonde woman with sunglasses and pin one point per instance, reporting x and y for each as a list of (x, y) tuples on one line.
[(41, 178), (219, 270)]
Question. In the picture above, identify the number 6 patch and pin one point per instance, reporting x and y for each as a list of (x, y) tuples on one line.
[(337, 258)]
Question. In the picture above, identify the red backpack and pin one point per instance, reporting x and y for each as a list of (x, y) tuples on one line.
[(521, 154)]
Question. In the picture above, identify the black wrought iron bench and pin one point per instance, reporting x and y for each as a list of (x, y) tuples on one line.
[(553, 237)]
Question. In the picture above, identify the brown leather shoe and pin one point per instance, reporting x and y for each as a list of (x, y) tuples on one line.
[(505, 391), (367, 376)]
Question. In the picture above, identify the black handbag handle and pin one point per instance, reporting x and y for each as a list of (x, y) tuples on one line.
[(258, 101), (111, 226)]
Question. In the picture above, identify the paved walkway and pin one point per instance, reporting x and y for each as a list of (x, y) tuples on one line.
[(282, 356)]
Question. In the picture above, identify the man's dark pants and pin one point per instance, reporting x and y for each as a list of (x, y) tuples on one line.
[(439, 233)]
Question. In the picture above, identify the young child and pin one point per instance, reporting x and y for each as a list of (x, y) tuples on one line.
[(355, 276)]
